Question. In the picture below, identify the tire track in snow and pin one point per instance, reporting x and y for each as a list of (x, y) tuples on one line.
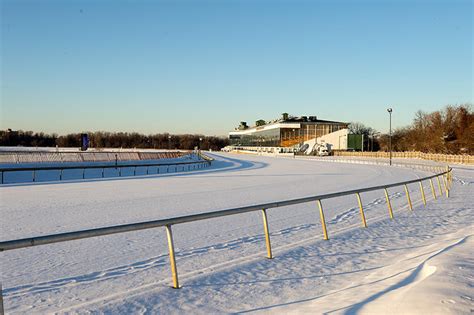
[(354, 211)]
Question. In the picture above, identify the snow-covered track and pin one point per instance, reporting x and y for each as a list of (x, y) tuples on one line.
[(168, 223)]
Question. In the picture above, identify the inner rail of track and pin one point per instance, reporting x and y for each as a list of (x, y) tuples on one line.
[(189, 165)]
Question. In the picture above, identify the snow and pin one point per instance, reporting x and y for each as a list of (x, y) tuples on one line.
[(400, 265)]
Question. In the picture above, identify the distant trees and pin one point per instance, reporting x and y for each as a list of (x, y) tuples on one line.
[(26, 138), (103, 139), (359, 128), (260, 122), (448, 131)]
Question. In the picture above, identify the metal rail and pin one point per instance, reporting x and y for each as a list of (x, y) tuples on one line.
[(54, 238), (197, 164), (167, 223)]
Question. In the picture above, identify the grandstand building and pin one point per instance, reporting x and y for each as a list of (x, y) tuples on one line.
[(285, 132)]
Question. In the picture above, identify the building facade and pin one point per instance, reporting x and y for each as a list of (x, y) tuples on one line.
[(285, 132)]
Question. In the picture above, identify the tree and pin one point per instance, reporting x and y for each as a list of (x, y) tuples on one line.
[(260, 122), (104, 139), (359, 128), (448, 131)]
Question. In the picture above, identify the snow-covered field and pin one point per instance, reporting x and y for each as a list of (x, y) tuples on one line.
[(420, 262)]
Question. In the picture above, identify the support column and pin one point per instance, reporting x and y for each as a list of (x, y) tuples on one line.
[(389, 205), (267, 234), (174, 271)]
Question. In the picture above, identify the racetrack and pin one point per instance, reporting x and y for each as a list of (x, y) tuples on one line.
[(220, 261)]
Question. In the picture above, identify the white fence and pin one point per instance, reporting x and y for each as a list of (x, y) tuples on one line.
[(59, 157)]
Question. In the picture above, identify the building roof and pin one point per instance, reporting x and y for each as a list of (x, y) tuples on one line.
[(292, 122)]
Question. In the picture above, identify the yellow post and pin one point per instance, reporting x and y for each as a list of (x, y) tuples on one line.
[(174, 271), (447, 176), (389, 205), (323, 221), (439, 186), (450, 178), (267, 234), (446, 188), (422, 194), (408, 198), (432, 188), (362, 215)]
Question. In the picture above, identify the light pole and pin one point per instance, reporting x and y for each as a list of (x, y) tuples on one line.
[(200, 140), (389, 110), (169, 142)]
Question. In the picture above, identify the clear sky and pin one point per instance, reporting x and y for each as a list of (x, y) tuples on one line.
[(203, 66)]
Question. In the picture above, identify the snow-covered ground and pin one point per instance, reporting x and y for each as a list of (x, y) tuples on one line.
[(420, 262)]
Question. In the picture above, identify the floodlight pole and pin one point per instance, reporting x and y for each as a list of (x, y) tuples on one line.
[(389, 110)]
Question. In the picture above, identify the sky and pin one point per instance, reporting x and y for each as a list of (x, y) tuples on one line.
[(204, 66)]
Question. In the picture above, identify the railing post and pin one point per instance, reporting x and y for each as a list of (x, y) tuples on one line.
[(408, 197), (446, 189), (61, 174), (267, 234), (446, 176), (439, 186), (83, 173), (103, 172), (389, 205), (362, 215), (120, 172), (422, 194), (174, 271), (135, 171), (323, 221), (2, 177), (432, 188), (147, 169), (2, 309), (34, 176)]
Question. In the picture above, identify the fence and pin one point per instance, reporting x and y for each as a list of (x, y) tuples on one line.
[(34, 170), (15, 157), (447, 158), (446, 178)]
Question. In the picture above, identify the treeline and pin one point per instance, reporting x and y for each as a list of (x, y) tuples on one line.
[(112, 140), (447, 131)]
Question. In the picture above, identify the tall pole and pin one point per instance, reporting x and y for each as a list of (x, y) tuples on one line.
[(389, 110)]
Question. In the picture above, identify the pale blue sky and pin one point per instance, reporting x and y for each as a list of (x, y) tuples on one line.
[(203, 66)]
